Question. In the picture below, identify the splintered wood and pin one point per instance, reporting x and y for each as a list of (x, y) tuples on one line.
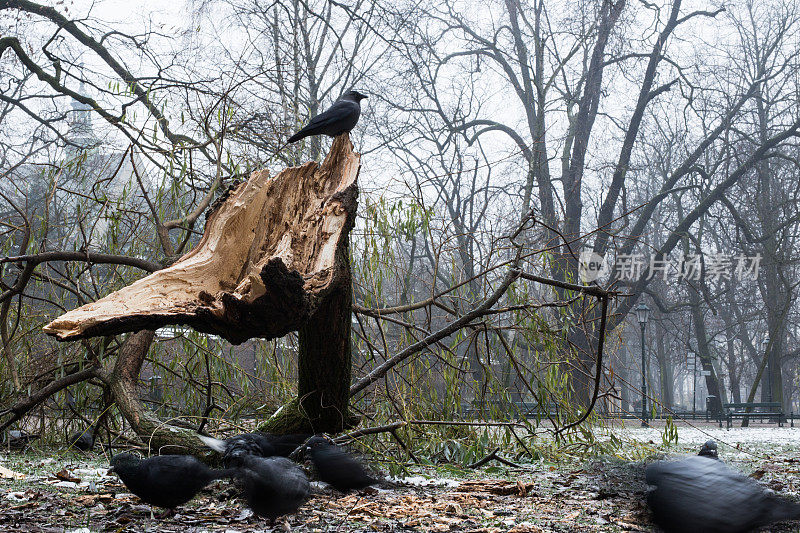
[(270, 252)]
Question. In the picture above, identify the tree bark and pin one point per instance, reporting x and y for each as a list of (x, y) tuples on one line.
[(323, 387), (665, 370)]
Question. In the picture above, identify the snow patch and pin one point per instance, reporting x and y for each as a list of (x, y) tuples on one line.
[(420, 481)]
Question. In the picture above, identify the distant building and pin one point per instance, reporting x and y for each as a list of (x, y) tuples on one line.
[(81, 132)]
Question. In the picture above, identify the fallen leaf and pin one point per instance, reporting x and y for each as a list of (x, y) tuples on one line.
[(5, 473), (453, 508), (500, 487), (65, 475), (525, 528), (571, 516)]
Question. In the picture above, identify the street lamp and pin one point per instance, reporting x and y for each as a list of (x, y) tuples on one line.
[(693, 359), (765, 345), (642, 314)]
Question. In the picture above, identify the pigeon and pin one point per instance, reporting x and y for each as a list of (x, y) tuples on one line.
[(703, 495), (336, 467), (82, 440), (165, 480), (258, 444), (18, 439), (341, 117), (272, 486), (709, 449)]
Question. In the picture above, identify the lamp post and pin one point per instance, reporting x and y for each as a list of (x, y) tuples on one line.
[(642, 314), (765, 345), (693, 358)]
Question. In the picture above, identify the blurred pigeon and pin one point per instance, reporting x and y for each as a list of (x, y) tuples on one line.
[(702, 495), (341, 117), (82, 440), (258, 444), (18, 439), (709, 449), (165, 480), (272, 486), (336, 467)]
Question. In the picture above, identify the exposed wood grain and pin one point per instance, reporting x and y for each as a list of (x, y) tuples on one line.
[(265, 261)]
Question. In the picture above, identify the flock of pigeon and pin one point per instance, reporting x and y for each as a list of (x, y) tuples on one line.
[(271, 484), (695, 494)]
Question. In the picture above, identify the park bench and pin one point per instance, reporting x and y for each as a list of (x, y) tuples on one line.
[(521, 408), (750, 410)]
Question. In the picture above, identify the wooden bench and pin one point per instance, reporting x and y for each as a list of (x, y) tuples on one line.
[(521, 408), (748, 410)]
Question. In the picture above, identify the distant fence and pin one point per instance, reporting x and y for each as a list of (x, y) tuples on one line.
[(770, 412)]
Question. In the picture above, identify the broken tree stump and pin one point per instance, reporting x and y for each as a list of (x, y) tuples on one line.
[(266, 260), (274, 258)]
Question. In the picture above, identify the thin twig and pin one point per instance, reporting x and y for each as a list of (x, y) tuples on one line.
[(598, 368), (353, 435), (493, 457)]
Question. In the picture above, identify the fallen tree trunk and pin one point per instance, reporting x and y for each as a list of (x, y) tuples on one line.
[(274, 258)]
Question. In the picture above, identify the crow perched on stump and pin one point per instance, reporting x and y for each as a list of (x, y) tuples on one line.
[(336, 467), (341, 117), (702, 495), (165, 480)]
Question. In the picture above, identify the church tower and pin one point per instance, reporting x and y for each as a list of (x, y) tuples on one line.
[(80, 127)]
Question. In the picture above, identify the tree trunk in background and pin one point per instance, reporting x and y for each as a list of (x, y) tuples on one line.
[(625, 376), (703, 353), (665, 370), (732, 371), (789, 375), (776, 293)]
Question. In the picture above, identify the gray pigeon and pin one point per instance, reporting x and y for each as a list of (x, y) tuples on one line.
[(341, 117), (82, 440), (709, 449), (702, 495)]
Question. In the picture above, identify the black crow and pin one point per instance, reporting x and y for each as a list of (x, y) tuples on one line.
[(336, 467), (341, 117), (702, 495), (165, 480), (82, 440), (272, 486), (258, 444), (709, 449)]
